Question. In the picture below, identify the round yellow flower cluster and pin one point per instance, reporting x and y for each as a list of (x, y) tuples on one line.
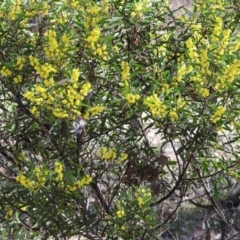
[(91, 16), (94, 10), (41, 176), (157, 108), (139, 8), (204, 92), (93, 111), (204, 62), (183, 70), (224, 42), (108, 154), (120, 213), (6, 72), (15, 9), (191, 49), (44, 70), (72, 3), (66, 101), (173, 115), (100, 51), (143, 196), (86, 180), (51, 50), (123, 157), (229, 74), (9, 213), (26, 182), (55, 50), (132, 98), (93, 37), (115, 49), (17, 79), (125, 72), (217, 30), (111, 154), (58, 170), (218, 113), (20, 63), (75, 75)]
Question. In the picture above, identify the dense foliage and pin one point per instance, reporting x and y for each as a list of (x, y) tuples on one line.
[(82, 85)]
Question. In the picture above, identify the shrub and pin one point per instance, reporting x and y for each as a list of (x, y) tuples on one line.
[(82, 84)]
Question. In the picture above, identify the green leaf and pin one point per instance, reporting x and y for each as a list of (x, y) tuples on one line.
[(171, 163)]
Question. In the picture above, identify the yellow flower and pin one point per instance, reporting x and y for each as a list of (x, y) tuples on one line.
[(140, 202), (22, 207), (180, 103), (59, 177), (49, 82), (115, 49), (20, 62), (20, 178), (71, 188), (40, 89), (94, 10), (133, 14), (191, 49), (120, 213), (123, 157), (95, 110), (79, 183), (218, 113), (132, 98), (33, 61), (85, 89), (93, 37), (6, 72), (58, 167), (34, 111), (9, 213), (109, 154), (123, 228), (88, 179), (101, 51), (38, 100), (52, 49), (204, 92), (75, 75), (217, 30), (105, 6), (65, 39), (22, 156), (173, 116), (40, 175), (156, 106), (17, 79), (60, 113), (26, 182), (125, 71)]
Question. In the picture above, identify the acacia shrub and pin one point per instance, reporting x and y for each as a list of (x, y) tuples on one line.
[(78, 81)]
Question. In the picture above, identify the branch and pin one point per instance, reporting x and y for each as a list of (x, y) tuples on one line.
[(100, 197)]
